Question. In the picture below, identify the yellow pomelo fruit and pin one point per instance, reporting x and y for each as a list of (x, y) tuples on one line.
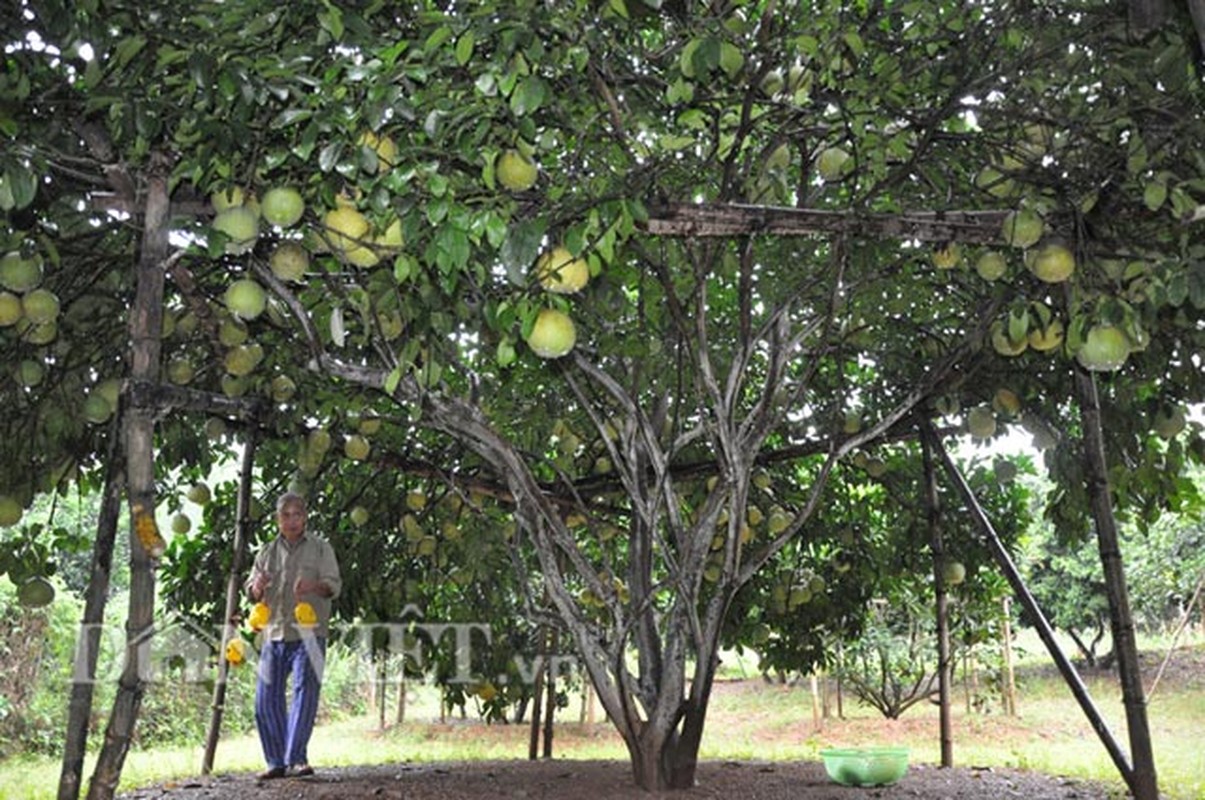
[(359, 516), (553, 335), (947, 256), (181, 524), (180, 371), (345, 229), (304, 614), (559, 272), (384, 147), (1004, 345), (1053, 263), (260, 614), (289, 261), (515, 171), (391, 238), (236, 652), (282, 206), (10, 309), (29, 372), (1049, 338), (356, 447)]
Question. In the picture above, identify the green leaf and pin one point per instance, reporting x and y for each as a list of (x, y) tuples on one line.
[(127, 49), (23, 184), (522, 246), (392, 380), (291, 116), (464, 48), (528, 96), (437, 38), (620, 8), (731, 59), (329, 156), (1154, 195), (331, 21)]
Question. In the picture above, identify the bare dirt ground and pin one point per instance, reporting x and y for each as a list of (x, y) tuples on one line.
[(612, 780), (566, 779)]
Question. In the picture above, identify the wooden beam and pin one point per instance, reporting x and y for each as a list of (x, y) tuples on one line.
[(735, 219)]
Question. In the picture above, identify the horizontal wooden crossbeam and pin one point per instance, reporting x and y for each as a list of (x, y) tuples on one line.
[(734, 219)]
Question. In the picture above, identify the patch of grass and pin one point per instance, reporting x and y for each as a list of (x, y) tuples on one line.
[(749, 719)]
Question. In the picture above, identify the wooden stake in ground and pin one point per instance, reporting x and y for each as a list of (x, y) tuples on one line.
[(937, 546)]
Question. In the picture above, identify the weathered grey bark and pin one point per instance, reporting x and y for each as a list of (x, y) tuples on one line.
[(87, 651), (242, 529), (1041, 624), (1144, 782), (937, 545), (146, 325), (735, 219)]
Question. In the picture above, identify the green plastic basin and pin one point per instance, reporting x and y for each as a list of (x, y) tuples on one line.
[(865, 766)]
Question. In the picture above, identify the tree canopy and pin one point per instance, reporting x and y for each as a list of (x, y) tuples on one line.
[(787, 232)]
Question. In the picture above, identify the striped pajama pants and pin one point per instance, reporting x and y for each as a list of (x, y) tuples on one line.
[(285, 733)]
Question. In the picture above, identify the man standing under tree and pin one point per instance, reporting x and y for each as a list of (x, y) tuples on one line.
[(296, 575)]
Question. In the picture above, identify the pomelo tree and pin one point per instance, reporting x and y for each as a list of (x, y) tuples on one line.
[(778, 206)]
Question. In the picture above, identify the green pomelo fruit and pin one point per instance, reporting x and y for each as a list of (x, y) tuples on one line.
[(1105, 349), (20, 274), (230, 197), (981, 422), (832, 163), (282, 206), (30, 372), (40, 306), (1022, 228), (241, 227), (10, 511), (36, 593), (199, 493), (1053, 263), (97, 409), (180, 371), (245, 298), (289, 262), (243, 359), (991, 266)]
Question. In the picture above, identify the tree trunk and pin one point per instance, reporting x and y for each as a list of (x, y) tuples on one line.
[(146, 325), (1144, 783), (233, 596), (79, 710)]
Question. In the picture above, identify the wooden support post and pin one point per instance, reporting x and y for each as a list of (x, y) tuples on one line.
[(1041, 624), (937, 545), (234, 586), (1010, 678)]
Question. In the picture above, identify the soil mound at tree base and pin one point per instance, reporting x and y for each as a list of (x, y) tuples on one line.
[(612, 780)]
